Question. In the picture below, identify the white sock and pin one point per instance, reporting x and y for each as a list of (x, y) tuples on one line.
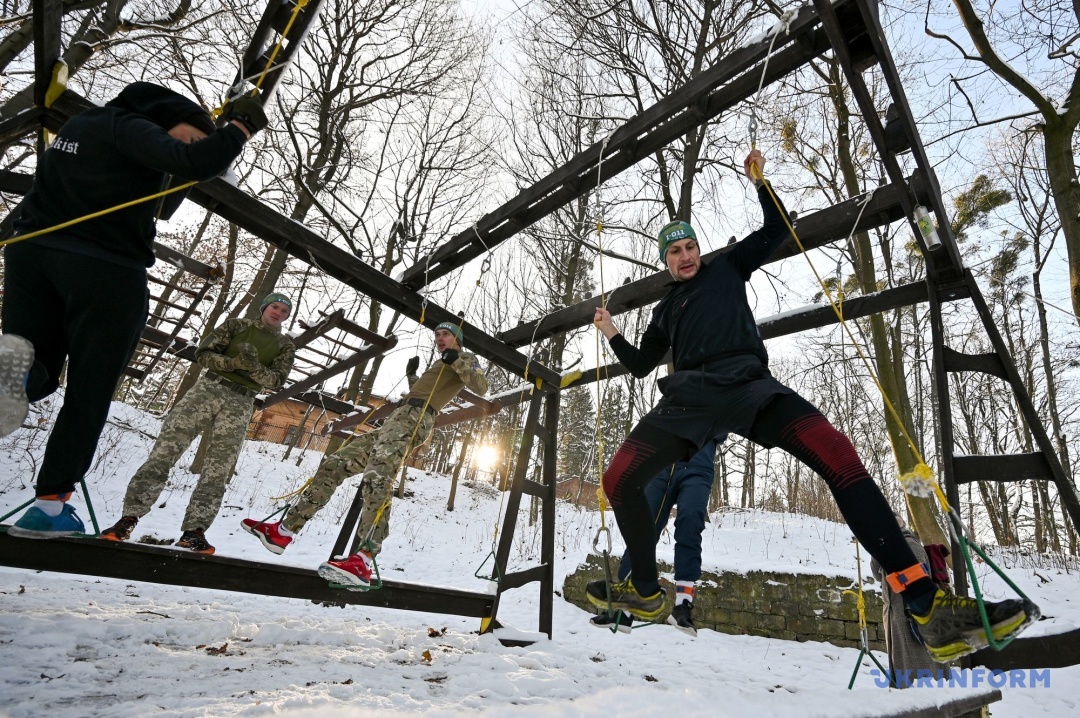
[(49, 507), (684, 592)]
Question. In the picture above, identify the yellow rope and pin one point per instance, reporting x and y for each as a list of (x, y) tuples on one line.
[(860, 599), (77, 220), (919, 481), (301, 4)]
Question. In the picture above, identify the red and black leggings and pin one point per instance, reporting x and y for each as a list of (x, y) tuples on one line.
[(788, 422)]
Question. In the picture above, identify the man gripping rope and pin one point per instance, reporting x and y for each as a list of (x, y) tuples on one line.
[(80, 294), (722, 384), (243, 357), (377, 456)]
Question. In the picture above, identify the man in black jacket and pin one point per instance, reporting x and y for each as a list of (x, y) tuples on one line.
[(80, 293), (722, 383)]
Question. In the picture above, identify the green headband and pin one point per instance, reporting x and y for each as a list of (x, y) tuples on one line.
[(671, 233), (275, 297), (453, 329)]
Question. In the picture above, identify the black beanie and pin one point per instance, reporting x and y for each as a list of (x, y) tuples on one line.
[(162, 106)]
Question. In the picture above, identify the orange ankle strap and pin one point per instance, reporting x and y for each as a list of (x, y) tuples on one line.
[(899, 581), (56, 497)]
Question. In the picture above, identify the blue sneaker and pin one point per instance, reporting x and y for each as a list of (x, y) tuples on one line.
[(37, 524), (16, 356)]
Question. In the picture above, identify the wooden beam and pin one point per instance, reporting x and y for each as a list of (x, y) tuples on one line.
[(712, 92), (793, 323), (47, 15), (816, 229), (172, 567), (192, 266), (263, 221), (22, 124), (317, 378), (15, 182)]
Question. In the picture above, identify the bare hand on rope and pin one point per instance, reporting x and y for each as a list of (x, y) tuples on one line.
[(602, 320), (754, 166)]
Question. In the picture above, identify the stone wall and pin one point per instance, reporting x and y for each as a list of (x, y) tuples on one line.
[(794, 607)]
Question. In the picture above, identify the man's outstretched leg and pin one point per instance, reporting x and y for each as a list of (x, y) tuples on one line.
[(950, 626)]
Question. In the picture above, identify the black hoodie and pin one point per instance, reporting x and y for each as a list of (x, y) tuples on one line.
[(114, 154)]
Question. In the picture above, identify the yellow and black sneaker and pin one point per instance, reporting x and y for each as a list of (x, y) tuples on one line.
[(954, 628), (625, 596)]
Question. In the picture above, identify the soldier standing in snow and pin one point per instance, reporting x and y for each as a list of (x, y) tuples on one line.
[(377, 456), (243, 357), (687, 485), (722, 384), (80, 293)]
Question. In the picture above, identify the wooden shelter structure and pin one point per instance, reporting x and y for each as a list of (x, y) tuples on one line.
[(851, 31)]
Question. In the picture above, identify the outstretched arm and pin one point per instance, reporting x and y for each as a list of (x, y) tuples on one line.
[(756, 248), (638, 361), (467, 366)]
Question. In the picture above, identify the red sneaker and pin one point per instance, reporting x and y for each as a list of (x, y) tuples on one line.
[(352, 571), (269, 533)]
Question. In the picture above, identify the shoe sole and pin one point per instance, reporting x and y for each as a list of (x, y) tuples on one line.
[(976, 640), (32, 534), (205, 551), (113, 537), (635, 611), (272, 548), (688, 630), (621, 627), (333, 574), (16, 357)]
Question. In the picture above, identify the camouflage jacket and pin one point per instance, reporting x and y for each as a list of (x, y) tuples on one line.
[(217, 352), (442, 382)]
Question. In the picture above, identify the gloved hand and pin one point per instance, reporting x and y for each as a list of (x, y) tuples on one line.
[(248, 111), (449, 356), (413, 366), (247, 358)]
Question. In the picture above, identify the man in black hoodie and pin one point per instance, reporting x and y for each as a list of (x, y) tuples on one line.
[(80, 293), (722, 383)]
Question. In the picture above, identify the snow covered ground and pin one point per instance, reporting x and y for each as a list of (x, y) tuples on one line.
[(80, 646)]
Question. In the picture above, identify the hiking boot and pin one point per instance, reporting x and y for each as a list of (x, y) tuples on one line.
[(121, 530), (353, 571), (37, 524), (621, 621), (682, 618), (625, 596), (16, 356), (954, 628), (269, 534), (195, 541)]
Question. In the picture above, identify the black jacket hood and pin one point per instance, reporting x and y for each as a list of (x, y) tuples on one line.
[(162, 106)]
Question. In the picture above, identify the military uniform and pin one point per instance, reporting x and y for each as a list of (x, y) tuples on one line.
[(379, 454), (220, 405)]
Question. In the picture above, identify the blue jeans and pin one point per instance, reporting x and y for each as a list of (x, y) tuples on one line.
[(686, 485)]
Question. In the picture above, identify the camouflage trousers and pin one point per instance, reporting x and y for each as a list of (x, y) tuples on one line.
[(224, 416), (377, 455)]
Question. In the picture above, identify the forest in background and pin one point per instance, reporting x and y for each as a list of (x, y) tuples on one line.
[(402, 122)]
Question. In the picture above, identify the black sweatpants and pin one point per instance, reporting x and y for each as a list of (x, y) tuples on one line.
[(88, 311), (788, 422)]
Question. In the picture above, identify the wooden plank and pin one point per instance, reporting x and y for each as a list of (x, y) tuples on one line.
[(314, 331), (955, 708), (638, 138), (988, 363), (154, 564), (814, 230), (186, 263), (317, 378), (1057, 650), (236, 206), (47, 15), (517, 579), (1002, 467), (17, 127), (15, 182)]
